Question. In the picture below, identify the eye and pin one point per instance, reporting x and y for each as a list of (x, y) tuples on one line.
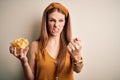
[(61, 20), (51, 20)]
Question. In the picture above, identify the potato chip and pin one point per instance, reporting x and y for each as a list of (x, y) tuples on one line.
[(20, 43)]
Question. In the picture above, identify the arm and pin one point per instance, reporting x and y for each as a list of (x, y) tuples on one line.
[(27, 71), (74, 48), (29, 68), (77, 63), (21, 55)]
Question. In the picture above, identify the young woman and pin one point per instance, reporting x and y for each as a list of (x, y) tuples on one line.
[(55, 55)]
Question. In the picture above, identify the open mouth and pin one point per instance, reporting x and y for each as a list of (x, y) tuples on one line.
[(55, 30)]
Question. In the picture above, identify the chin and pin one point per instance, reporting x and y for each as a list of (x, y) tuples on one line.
[(55, 34)]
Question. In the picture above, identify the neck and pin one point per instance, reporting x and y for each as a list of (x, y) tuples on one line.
[(53, 46), (54, 40)]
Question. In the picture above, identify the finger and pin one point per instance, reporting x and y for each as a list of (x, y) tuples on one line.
[(78, 43), (26, 50), (69, 49), (21, 53), (10, 49), (72, 46), (77, 46), (77, 50), (76, 39), (16, 52)]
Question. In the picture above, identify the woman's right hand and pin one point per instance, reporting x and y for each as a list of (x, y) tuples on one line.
[(20, 53)]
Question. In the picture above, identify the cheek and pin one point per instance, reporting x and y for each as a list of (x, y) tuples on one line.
[(50, 26), (62, 25), (61, 28)]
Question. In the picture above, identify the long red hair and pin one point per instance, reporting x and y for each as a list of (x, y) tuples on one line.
[(65, 35)]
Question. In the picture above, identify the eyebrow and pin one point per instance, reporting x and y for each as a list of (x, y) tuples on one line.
[(55, 19)]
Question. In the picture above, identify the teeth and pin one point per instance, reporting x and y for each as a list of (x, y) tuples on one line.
[(55, 30)]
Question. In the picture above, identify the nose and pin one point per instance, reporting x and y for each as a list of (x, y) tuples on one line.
[(56, 24)]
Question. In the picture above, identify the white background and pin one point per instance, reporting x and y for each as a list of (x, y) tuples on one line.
[(95, 22)]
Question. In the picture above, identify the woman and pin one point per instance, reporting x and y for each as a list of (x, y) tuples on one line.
[(54, 56)]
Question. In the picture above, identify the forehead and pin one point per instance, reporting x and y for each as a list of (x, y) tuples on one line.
[(56, 15)]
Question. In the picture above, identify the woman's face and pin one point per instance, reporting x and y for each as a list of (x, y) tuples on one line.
[(56, 22)]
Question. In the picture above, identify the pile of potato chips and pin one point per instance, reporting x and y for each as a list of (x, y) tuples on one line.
[(20, 43)]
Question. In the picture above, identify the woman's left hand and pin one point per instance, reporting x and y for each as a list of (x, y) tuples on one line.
[(74, 48)]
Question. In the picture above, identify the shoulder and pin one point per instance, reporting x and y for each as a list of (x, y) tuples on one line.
[(34, 47), (34, 43)]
